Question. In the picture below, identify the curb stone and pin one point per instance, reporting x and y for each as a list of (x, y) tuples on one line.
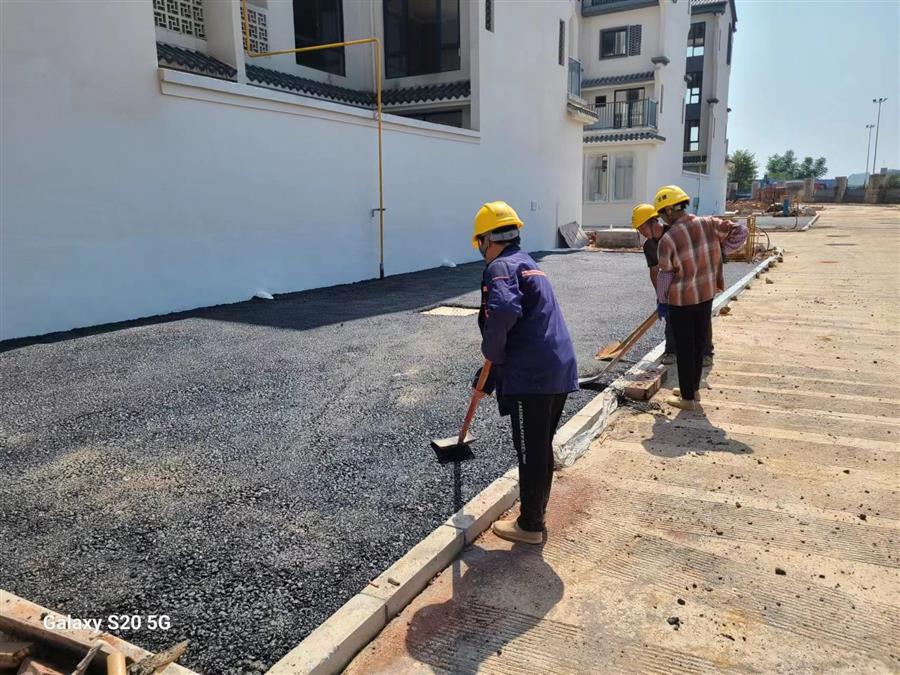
[(331, 646)]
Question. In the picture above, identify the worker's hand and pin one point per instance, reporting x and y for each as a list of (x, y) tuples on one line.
[(662, 310), (488, 385)]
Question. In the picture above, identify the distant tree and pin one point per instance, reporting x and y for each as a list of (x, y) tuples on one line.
[(782, 167), (743, 169), (786, 167), (812, 168)]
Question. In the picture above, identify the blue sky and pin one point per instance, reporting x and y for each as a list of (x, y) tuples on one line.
[(804, 73)]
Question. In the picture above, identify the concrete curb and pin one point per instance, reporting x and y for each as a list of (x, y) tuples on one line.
[(331, 646)]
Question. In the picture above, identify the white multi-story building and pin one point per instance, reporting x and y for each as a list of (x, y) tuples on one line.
[(150, 164), (657, 72)]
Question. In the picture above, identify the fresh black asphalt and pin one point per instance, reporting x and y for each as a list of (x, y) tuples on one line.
[(245, 469)]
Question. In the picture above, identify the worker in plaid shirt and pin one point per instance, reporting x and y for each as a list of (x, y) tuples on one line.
[(690, 273)]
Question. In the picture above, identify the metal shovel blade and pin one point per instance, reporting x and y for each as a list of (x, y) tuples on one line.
[(451, 450), (610, 351)]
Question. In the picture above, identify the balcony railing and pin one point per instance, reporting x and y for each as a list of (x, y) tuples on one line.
[(574, 77), (625, 115)]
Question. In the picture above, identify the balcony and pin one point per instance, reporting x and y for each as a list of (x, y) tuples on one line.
[(576, 106), (594, 7), (625, 115)]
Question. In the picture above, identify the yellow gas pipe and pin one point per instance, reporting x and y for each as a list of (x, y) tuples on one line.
[(371, 40)]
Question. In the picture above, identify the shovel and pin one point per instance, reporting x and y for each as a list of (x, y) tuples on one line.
[(456, 448), (630, 342), (613, 349)]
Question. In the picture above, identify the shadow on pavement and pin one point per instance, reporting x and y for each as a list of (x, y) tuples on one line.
[(305, 310), (460, 634), (690, 432)]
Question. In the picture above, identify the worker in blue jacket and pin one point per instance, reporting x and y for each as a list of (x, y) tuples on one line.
[(525, 338)]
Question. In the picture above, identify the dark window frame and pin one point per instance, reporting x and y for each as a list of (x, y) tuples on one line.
[(562, 42), (402, 51), (489, 15), (430, 115), (607, 31), (694, 80), (691, 124), (327, 60), (598, 103), (695, 41)]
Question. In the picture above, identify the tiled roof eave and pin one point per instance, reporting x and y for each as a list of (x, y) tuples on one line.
[(613, 80), (624, 137)]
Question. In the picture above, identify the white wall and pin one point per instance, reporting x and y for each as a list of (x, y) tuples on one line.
[(120, 201), (665, 168)]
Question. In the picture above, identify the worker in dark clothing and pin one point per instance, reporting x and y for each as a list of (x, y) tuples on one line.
[(526, 339), (646, 221)]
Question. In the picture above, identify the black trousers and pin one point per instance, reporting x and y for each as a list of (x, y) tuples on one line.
[(534, 421), (690, 325), (670, 339)]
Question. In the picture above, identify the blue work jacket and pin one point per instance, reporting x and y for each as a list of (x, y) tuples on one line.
[(523, 331)]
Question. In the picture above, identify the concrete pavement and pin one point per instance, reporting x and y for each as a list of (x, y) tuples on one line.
[(761, 536)]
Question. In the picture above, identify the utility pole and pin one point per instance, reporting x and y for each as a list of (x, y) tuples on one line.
[(868, 151), (879, 101)]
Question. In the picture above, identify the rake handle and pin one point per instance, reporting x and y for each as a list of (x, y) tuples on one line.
[(477, 395)]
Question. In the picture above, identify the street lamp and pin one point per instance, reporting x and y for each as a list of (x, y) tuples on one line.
[(879, 101), (868, 149)]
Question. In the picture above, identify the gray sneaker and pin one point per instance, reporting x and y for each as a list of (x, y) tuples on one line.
[(667, 359), (707, 361)]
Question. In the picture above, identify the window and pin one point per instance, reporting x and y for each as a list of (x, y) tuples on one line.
[(421, 37), (613, 42), (730, 40), (696, 37), (623, 180), (452, 118), (662, 97), (318, 22), (596, 178), (692, 136), (562, 43), (694, 87), (600, 101), (489, 15)]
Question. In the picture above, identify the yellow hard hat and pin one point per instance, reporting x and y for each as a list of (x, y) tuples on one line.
[(491, 216), (669, 195), (641, 213)]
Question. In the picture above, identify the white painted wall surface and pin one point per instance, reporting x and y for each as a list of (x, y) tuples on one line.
[(121, 202), (665, 167)]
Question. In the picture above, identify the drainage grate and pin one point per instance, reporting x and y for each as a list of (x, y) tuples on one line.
[(840, 244), (448, 310)]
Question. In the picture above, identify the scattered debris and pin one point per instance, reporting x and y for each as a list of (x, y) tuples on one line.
[(862, 516), (780, 572), (674, 621)]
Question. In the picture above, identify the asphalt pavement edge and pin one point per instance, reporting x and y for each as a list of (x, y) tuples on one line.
[(334, 643)]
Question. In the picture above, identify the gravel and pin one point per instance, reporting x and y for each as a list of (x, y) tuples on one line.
[(245, 469)]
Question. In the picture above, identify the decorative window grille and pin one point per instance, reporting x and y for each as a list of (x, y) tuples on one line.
[(259, 30), (180, 16)]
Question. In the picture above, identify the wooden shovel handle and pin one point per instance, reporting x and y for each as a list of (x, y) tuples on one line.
[(477, 395)]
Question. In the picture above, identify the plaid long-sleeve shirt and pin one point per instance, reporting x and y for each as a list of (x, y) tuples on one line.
[(690, 257)]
